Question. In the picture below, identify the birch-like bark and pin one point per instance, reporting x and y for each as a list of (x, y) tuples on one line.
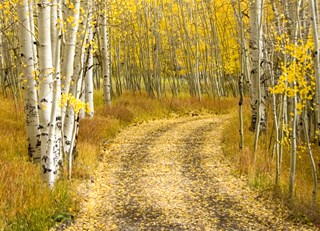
[(54, 138), (67, 73), (54, 28), (258, 120), (45, 89), (32, 32), (72, 116), (30, 92), (197, 72), (256, 44), (70, 47), (244, 68), (315, 24), (105, 56), (277, 133), (293, 157), (89, 67)]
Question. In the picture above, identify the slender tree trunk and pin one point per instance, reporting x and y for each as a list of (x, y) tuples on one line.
[(89, 68), (105, 56), (33, 38), (293, 158), (67, 74), (55, 136), (258, 108), (313, 4), (45, 89), (70, 47), (29, 85)]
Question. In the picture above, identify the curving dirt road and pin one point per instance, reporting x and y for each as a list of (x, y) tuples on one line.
[(170, 175)]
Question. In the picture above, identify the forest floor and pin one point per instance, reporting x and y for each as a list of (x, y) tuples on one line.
[(170, 174)]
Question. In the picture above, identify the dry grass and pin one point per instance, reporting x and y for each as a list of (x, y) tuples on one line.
[(262, 176), (24, 200)]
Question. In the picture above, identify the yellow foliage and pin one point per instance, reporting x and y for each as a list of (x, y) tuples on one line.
[(187, 29), (297, 73), (76, 104)]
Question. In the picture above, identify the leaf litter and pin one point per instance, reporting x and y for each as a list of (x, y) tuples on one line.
[(171, 174)]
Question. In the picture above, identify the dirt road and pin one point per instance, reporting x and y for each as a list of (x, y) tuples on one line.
[(171, 175)]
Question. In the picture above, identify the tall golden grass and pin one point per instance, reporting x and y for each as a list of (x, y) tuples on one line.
[(24, 200)]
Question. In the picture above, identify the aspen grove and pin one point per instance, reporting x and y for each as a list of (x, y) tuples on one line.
[(55, 52), (57, 66)]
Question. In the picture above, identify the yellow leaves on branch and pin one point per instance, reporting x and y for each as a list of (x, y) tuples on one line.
[(8, 12), (76, 104), (297, 78), (93, 45)]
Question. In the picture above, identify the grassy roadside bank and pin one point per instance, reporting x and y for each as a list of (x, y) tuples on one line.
[(25, 202), (262, 176)]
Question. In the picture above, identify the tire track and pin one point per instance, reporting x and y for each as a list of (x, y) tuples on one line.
[(115, 183), (164, 182), (133, 209), (206, 199)]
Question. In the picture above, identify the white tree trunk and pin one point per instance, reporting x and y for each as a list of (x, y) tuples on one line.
[(105, 57), (71, 121), (67, 73), (315, 34), (45, 90), (55, 136), (32, 31), (30, 92), (89, 72), (256, 44), (54, 28), (70, 47)]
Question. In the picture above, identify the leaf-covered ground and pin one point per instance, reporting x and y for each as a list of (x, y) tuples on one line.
[(171, 175)]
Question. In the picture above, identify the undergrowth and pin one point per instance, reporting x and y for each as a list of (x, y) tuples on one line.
[(25, 202), (261, 175)]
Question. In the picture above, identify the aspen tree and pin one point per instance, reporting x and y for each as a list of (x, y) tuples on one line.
[(76, 90), (32, 33), (30, 92), (256, 43), (156, 51), (197, 72), (293, 157), (315, 24), (89, 66), (237, 12), (278, 125), (105, 55), (45, 89), (67, 71), (55, 136), (72, 19)]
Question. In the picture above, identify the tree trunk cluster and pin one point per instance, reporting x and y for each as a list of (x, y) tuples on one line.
[(57, 63)]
